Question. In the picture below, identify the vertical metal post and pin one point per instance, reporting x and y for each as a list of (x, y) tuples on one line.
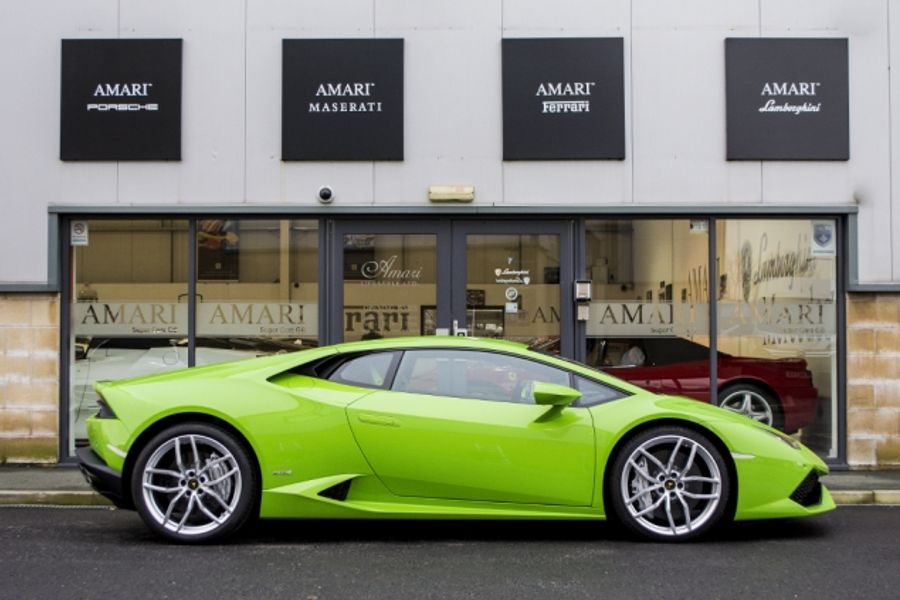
[(567, 276), (444, 279), (579, 242), (192, 291), (841, 273), (65, 342), (713, 284), (328, 276)]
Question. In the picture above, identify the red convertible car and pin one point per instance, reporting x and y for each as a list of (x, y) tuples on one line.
[(778, 392)]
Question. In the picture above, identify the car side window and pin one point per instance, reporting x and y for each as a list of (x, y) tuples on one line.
[(594, 392), (474, 375), (366, 370)]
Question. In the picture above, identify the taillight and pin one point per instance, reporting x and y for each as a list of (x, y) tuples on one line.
[(105, 411)]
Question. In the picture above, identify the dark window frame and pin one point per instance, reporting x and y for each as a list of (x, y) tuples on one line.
[(60, 268)]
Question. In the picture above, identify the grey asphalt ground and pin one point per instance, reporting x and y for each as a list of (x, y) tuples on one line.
[(64, 485), (61, 553)]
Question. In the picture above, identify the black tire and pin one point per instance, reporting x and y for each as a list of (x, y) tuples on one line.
[(760, 400), (194, 483), (654, 492)]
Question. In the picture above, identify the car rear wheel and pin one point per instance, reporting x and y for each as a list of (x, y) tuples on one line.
[(194, 482), (752, 401), (669, 484)]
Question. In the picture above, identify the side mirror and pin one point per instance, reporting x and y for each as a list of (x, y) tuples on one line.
[(553, 394)]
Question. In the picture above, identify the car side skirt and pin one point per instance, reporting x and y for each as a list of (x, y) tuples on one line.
[(306, 499)]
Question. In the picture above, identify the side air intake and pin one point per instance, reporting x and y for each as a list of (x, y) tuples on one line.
[(809, 492), (337, 492)]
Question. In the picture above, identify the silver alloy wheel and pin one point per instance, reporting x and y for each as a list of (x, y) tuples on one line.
[(749, 403), (191, 484), (671, 485)]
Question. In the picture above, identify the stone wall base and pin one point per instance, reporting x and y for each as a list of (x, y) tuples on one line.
[(29, 378), (873, 380)]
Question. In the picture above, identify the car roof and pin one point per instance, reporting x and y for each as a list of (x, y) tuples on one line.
[(432, 341)]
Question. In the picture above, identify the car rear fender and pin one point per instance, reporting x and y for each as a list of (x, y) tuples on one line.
[(174, 419)]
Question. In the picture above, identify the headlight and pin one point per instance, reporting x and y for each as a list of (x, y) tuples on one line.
[(784, 438)]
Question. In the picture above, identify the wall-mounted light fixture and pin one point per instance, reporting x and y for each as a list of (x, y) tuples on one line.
[(451, 193)]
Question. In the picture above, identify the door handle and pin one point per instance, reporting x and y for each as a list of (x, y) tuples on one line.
[(378, 420)]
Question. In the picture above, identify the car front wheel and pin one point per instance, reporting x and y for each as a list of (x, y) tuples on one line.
[(669, 484), (194, 482)]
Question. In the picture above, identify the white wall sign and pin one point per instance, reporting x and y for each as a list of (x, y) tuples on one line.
[(265, 319), (822, 235), (129, 318), (803, 321), (647, 319), (250, 319), (382, 319), (388, 272), (79, 233), (782, 318)]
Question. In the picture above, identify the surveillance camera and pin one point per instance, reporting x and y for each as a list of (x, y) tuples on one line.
[(326, 194)]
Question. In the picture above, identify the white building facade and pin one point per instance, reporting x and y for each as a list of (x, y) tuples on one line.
[(250, 177)]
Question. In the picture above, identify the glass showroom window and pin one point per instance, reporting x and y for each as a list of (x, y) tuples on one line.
[(649, 318), (777, 323), (129, 312), (257, 287)]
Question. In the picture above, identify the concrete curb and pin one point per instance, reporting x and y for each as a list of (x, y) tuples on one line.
[(89, 498), (55, 498), (891, 497), (863, 497), (851, 497)]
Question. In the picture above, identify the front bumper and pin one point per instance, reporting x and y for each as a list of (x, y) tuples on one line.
[(102, 478)]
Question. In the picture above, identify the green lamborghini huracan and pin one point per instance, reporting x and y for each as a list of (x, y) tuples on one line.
[(433, 428)]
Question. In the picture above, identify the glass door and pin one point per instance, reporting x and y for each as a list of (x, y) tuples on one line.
[(512, 280), (495, 279), (390, 279)]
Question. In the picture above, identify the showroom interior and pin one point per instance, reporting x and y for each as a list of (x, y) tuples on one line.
[(157, 294)]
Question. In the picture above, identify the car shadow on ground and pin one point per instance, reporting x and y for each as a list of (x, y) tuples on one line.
[(407, 531), (110, 526), (343, 531)]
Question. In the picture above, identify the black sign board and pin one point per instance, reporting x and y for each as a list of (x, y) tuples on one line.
[(121, 100), (787, 99), (563, 98), (342, 99)]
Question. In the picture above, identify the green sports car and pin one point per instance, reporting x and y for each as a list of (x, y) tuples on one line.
[(433, 428)]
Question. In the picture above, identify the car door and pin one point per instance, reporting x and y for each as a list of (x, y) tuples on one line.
[(462, 425)]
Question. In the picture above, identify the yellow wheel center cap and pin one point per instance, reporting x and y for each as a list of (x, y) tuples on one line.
[(193, 484)]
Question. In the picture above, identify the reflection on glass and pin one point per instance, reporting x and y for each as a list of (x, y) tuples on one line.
[(649, 318), (777, 321), (128, 315), (389, 285), (257, 288), (512, 287)]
